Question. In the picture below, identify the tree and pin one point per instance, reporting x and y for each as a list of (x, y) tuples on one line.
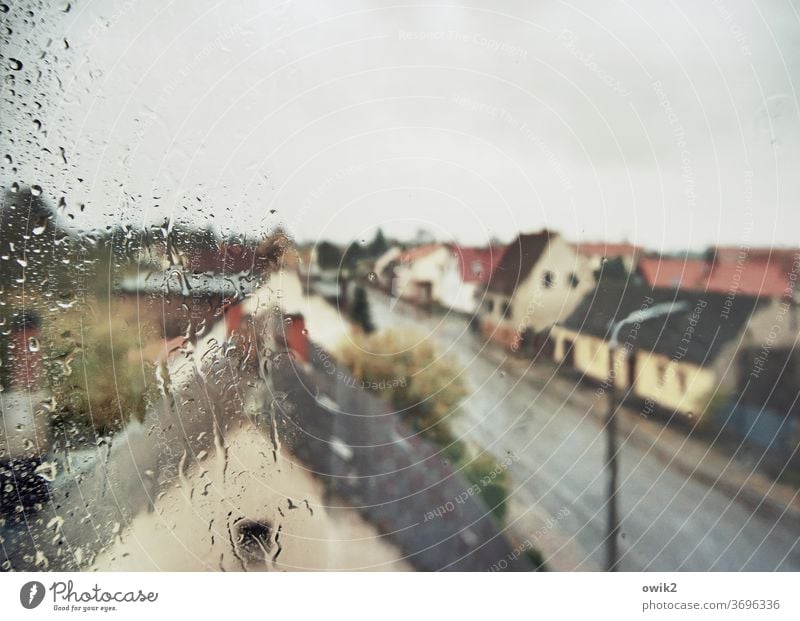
[(379, 245), (612, 269), (329, 257), (353, 254), (408, 371), (359, 310)]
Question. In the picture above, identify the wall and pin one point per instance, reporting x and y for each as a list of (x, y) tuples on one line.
[(538, 307), (670, 385), (428, 268), (455, 293)]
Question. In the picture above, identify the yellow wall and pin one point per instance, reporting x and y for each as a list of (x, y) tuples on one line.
[(672, 385), (538, 307)]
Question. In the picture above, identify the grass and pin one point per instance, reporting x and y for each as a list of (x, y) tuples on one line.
[(95, 372)]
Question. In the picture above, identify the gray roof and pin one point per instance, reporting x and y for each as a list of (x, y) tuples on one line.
[(518, 260), (697, 333)]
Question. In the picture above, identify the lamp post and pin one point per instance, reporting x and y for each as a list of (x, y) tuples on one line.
[(612, 465)]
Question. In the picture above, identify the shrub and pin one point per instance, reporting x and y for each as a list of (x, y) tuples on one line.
[(428, 388), (415, 379)]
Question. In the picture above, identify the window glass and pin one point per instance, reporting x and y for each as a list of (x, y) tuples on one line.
[(228, 340)]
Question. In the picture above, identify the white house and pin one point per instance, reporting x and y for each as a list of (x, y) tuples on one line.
[(466, 275), (418, 273)]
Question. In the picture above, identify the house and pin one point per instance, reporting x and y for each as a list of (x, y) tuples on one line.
[(383, 268), (418, 273), (597, 253), (682, 361), (173, 300), (307, 265), (538, 281), (466, 275)]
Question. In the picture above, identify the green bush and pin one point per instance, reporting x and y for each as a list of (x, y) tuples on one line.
[(414, 378), (428, 388)]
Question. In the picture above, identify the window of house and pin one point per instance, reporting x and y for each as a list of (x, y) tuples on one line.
[(506, 310), (664, 372), (477, 268), (681, 377), (548, 279), (490, 305), (573, 280)]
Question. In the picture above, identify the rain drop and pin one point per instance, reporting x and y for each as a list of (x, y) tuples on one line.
[(47, 470)]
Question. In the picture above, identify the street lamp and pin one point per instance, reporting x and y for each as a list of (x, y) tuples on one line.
[(638, 316)]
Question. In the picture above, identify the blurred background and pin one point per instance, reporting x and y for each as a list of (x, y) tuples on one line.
[(358, 286)]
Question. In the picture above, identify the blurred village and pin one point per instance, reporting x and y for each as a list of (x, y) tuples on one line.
[(726, 358), (370, 363)]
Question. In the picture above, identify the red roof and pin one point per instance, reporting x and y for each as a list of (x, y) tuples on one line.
[(228, 258), (757, 277), (602, 249), (733, 254), (681, 273), (762, 273), (477, 264)]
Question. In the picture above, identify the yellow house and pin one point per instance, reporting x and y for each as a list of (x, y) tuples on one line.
[(539, 281), (679, 361)]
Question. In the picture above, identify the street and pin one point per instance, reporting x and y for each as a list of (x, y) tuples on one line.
[(671, 521)]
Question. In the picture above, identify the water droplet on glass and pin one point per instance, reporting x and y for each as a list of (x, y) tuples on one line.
[(15, 64), (33, 344), (47, 470)]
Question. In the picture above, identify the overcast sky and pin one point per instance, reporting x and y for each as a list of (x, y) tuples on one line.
[(668, 124)]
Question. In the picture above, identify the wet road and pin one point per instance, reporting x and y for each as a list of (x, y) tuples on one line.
[(670, 521)]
